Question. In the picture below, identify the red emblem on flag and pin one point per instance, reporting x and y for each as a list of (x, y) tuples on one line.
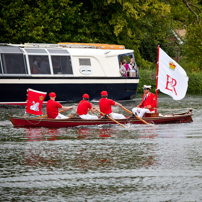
[(34, 101), (170, 84)]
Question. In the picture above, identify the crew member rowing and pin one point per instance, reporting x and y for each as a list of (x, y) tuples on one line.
[(53, 106), (84, 106), (105, 106)]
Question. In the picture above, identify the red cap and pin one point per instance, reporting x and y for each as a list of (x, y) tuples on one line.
[(52, 94), (86, 96), (104, 93)]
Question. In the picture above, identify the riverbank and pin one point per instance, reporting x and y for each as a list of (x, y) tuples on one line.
[(148, 77)]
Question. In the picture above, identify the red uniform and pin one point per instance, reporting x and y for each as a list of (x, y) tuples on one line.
[(83, 107), (105, 105), (150, 102), (52, 108)]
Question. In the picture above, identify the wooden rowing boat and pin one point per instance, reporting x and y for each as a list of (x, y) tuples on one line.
[(153, 118)]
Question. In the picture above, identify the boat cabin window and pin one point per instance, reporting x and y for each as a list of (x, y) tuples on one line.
[(39, 64), (13, 64), (61, 65)]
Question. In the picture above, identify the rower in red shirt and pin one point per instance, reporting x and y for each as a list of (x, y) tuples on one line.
[(105, 106), (84, 106), (148, 103), (53, 106)]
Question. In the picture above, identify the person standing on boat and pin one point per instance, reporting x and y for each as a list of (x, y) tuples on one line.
[(53, 106), (44, 66), (56, 65), (84, 106), (37, 62), (122, 69), (35, 66), (148, 103), (132, 68), (127, 67), (105, 106)]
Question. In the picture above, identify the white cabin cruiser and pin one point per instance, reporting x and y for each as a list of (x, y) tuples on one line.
[(68, 69)]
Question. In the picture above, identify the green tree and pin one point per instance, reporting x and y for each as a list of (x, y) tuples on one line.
[(187, 14), (127, 22), (139, 25), (193, 41), (35, 21)]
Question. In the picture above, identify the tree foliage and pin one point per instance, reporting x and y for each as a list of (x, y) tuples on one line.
[(187, 14), (35, 21), (139, 25)]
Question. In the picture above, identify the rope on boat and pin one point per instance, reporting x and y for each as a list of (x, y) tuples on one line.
[(33, 123), (42, 119)]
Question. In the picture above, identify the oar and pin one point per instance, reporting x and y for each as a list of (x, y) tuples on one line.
[(112, 119), (137, 116), (46, 114)]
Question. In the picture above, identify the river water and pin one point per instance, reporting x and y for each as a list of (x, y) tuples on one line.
[(104, 163)]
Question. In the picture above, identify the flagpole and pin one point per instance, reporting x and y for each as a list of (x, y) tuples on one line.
[(157, 75)]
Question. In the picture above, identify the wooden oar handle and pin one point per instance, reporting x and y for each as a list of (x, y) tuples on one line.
[(62, 111), (116, 121), (141, 120), (136, 116), (127, 110), (46, 114), (101, 113), (111, 119)]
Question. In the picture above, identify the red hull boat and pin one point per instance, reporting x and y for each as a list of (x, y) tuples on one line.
[(77, 121)]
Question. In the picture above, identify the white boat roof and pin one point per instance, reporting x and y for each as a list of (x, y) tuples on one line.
[(78, 49), (106, 52)]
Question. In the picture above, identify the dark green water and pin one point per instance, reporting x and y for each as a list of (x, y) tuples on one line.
[(104, 163)]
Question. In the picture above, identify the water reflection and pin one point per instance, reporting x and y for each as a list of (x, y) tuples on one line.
[(47, 134), (102, 133), (134, 131), (38, 157), (89, 149), (149, 132), (49, 155), (40, 134), (91, 160), (103, 163)]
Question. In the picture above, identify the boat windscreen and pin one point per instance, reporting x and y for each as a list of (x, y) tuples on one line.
[(10, 49)]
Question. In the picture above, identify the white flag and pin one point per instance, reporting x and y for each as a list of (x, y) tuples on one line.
[(172, 79)]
